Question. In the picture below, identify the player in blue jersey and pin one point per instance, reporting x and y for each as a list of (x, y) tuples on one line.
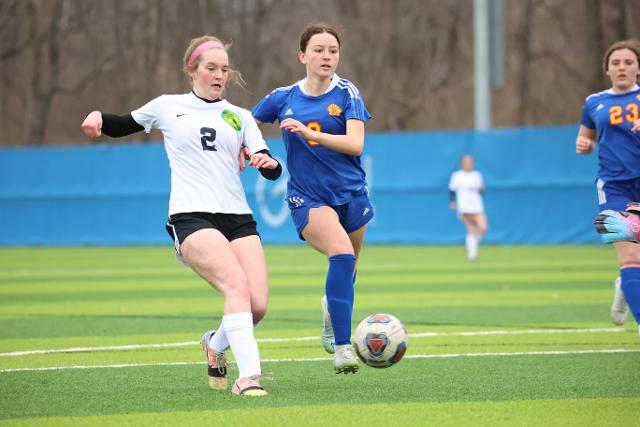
[(322, 118), (609, 118)]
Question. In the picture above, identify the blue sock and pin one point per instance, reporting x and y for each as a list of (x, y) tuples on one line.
[(339, 290), (630, 277)]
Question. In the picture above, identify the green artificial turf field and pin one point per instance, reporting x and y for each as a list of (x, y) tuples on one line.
[(108, 336)]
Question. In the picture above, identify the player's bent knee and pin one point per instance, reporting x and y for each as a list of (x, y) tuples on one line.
[(237, 288), (340, 248), (258, 313), (630, 262), (628, 253)]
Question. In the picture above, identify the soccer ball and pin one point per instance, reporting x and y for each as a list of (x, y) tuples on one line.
[(380, 340)]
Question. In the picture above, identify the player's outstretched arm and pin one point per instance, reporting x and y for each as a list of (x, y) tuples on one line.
[(619, 226), (96, 123), (352, 143)]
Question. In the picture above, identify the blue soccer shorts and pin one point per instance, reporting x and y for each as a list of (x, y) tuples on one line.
[(352, 215), (615, 195)]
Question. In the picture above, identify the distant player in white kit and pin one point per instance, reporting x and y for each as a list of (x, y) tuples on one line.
[(465, 195)]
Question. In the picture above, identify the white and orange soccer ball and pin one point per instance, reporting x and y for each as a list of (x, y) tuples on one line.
[(380, 340)]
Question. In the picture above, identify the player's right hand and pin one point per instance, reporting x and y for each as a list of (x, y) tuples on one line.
[(584, 145), (636, 126), (92, 124), (617, 226)]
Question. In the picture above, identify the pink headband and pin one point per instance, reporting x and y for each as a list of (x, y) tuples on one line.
[(210, 44)]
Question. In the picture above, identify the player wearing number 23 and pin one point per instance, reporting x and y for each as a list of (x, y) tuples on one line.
[(322, 119), (611, 118)]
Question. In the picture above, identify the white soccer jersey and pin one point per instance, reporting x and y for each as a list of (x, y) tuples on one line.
[(202, 140), (467, 186)]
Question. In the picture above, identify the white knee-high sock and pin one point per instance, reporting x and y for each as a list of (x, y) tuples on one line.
[(239, 331), (219, 341), (471, 244)]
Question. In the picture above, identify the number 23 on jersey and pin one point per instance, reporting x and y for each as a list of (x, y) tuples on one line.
[(619, 114)]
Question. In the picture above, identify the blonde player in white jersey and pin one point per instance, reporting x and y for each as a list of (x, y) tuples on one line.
[(465, 195), (209, 218)]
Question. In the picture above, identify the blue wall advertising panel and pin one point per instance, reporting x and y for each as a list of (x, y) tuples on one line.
[(538, 191)]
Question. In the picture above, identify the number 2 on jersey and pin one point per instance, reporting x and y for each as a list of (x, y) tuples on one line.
[(314, 126), (208, 136)]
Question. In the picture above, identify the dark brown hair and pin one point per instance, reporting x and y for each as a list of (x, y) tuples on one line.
[(313, 29), (632, 45)]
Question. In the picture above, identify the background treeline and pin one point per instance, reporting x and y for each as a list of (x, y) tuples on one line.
[(412, 59)]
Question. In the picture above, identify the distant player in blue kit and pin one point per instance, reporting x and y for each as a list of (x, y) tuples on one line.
[(611, 118), (322, 118)]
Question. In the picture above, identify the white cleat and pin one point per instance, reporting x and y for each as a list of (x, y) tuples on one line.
[(619, 308), (327, 338), (344, 361)]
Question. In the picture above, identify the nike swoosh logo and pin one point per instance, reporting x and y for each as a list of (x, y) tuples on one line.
[(180, 115)]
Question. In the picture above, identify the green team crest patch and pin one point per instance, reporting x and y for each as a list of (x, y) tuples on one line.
[(232, 119)]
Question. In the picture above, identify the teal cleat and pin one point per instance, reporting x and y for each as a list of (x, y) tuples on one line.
[(619, 308), (327, 338)]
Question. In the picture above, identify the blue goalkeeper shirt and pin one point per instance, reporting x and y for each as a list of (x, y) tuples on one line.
[(315, 171), (612, 116)]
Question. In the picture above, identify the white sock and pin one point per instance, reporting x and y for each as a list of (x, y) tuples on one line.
[(219, 341), (239, 331), (471, 244)]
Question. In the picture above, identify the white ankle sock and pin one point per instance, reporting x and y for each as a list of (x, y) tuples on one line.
[(239, 331), (471, 244), (219, 341), (338, 348)]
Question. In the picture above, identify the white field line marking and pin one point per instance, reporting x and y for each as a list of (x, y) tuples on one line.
[(104, 348), (421, 334), (517, 332), (321, 359)]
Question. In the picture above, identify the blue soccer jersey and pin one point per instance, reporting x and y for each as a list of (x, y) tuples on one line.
[(612, 116), (316, 171)]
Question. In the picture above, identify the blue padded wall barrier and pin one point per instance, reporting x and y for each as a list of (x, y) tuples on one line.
[(538, 191)]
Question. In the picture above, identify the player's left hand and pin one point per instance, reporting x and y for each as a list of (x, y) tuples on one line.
[(293, 125), (243, 156), (617, 226), (263, 161), (636, 126)]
